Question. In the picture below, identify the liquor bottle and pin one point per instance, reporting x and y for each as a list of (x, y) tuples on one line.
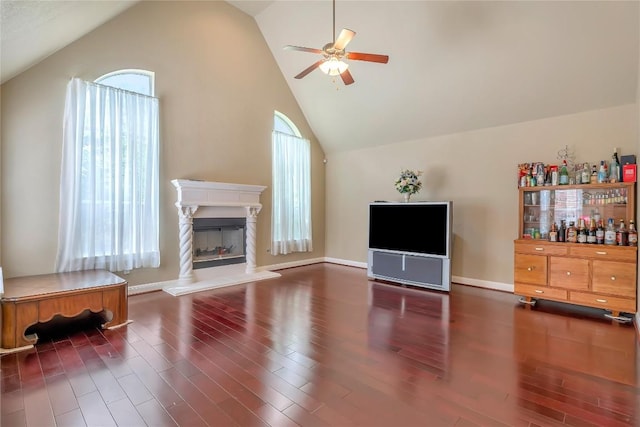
[(564, 174), (600, 233), (614, 166), (553, 233), (594, 174), (586, 175), (610, 233), (633, 234), (582, 232), (554, 174), (602, 173), (562, 232), (617, 160), (591, 237), (622, 235), (572, 233)]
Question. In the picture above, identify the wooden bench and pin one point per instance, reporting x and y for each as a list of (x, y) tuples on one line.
[(31, 299)]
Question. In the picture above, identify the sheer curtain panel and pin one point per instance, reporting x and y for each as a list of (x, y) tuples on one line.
[(291, 216), (109, 180)]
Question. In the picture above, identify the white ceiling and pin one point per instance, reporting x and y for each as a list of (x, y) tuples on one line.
[(32, 30), (454, 66)]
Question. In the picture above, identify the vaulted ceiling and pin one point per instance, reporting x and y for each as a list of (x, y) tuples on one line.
[(454, 66)]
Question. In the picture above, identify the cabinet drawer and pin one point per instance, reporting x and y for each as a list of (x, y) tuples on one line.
[(540, 248), (610, 303), (617, 278), (540, 292), (606, 252), (569, 273), (530, 269)]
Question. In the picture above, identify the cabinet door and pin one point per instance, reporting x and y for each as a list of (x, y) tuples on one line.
[(615, 278), (569, 273), (530, 269), (387, 264)]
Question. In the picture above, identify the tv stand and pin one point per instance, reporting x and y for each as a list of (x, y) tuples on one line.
[(433, 272)]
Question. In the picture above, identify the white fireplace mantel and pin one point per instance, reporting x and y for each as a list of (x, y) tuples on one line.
[(216, 200), (204, 193)]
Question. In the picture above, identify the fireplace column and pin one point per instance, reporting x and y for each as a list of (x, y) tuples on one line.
[(250, 255), (185, 214)]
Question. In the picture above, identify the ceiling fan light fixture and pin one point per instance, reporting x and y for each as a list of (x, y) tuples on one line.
[(333, 67)]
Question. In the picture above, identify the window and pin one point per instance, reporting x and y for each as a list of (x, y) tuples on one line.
[(291, 163), (109, 186)]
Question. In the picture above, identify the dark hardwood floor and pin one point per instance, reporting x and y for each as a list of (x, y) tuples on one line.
[(323, 346)]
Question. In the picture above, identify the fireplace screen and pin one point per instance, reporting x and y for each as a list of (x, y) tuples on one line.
[(218, 241)]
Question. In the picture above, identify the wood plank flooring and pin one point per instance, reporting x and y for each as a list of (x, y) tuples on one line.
[(323, 346)]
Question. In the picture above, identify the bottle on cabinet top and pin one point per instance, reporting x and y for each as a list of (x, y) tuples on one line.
[(564, 174)]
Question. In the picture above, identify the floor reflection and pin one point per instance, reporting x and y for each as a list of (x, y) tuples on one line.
[(412, 324)]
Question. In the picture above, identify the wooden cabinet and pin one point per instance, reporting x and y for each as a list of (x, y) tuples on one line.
[(594, 275)]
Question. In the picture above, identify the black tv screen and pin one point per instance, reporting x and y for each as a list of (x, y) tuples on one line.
[(422, 228)]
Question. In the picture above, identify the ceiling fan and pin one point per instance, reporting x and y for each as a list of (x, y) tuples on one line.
[(334, 53)]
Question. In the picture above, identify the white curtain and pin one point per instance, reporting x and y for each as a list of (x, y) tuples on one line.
[(109, 180), (291, 216)]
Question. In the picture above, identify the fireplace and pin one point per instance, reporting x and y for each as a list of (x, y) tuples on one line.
[(218, 241), (217, 235)]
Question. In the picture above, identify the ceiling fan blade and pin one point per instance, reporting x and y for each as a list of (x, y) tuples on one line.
[(343, 39), (347, 78), (371, 57), (303, 49), (309, 69)]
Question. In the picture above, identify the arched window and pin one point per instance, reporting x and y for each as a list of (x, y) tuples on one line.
[(282, 123), (109, 202), (291, 213), (138, 81)]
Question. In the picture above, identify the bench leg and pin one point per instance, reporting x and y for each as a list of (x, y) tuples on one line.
[(115, 301)]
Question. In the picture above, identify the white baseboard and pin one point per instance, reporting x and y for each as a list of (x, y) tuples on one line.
[(147, 287), (291, 264), (346, 262), (498, 286)]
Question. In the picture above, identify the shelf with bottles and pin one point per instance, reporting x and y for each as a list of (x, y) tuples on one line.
[(541, 207)]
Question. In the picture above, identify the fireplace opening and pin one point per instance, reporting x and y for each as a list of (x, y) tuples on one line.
[(218, 241)]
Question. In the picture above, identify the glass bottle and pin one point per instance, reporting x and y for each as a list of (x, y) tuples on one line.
[(582, 232), (562, 232), (553, 233), (633, 234), (622, 235), (586, 175), (564, 174), (614, 165), (594, 174), (572, 233), (602, 173), (600, 233), (591, 237), (610, 233)]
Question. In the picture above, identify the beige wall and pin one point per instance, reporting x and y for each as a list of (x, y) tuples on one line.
[(218, 86), (477, 170)]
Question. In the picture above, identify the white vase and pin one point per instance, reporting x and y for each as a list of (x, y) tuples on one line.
[(406, 196)]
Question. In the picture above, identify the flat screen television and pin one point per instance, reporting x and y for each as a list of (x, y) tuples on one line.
[(422, 228)]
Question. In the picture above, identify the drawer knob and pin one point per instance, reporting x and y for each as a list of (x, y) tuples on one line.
[(601, 300), (613, 277), (530, 268), (601, 252), (539, 249), (538, 291), (568, 273)]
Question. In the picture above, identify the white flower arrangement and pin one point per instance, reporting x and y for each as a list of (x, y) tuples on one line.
[(408, 182)]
